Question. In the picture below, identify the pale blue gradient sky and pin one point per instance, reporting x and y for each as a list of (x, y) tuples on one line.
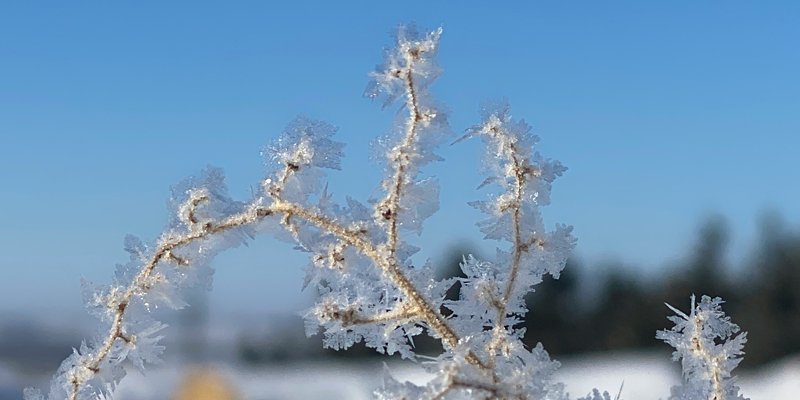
[(664, 112)]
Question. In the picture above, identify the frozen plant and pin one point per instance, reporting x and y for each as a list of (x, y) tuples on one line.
[(709, 348), (370, 289)]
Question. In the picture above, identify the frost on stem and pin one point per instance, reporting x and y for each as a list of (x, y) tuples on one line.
[(154, 277), (297, 157), (524, 179), (709, 348), (421, 125)]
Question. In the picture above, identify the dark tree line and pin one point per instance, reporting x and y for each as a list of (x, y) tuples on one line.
[(620, 310), (763, 298), (624, 311)]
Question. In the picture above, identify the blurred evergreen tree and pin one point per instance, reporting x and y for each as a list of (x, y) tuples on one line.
[(625, 316), (771, 312), (554, 313), (705, 271)]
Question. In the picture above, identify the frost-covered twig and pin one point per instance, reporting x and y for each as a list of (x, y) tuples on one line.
[(407, 71), (525, 179), (706, 343)]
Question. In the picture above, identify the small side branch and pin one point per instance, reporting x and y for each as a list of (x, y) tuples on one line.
[(350, 316), (389, 208), (521, 172)]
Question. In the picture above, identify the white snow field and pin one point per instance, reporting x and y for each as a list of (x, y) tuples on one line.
[(646, 377)]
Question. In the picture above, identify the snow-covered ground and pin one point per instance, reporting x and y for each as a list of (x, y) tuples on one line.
[(645, 377)]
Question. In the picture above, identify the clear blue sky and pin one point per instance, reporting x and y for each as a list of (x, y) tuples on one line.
[(665, 113)]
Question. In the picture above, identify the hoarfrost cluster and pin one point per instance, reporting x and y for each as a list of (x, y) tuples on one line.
[(369, 289), (709, 348)]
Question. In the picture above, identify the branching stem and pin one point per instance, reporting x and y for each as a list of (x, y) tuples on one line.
[(419, 306)]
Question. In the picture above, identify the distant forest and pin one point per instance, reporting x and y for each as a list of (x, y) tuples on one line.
[(624, 311)]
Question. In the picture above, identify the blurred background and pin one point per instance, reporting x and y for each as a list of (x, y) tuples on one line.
[(679, 123)]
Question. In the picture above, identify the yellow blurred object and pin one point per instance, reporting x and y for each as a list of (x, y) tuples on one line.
[(204, 384)]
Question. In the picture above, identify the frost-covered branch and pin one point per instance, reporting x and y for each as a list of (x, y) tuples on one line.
[(370, 289), (511, 144)]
